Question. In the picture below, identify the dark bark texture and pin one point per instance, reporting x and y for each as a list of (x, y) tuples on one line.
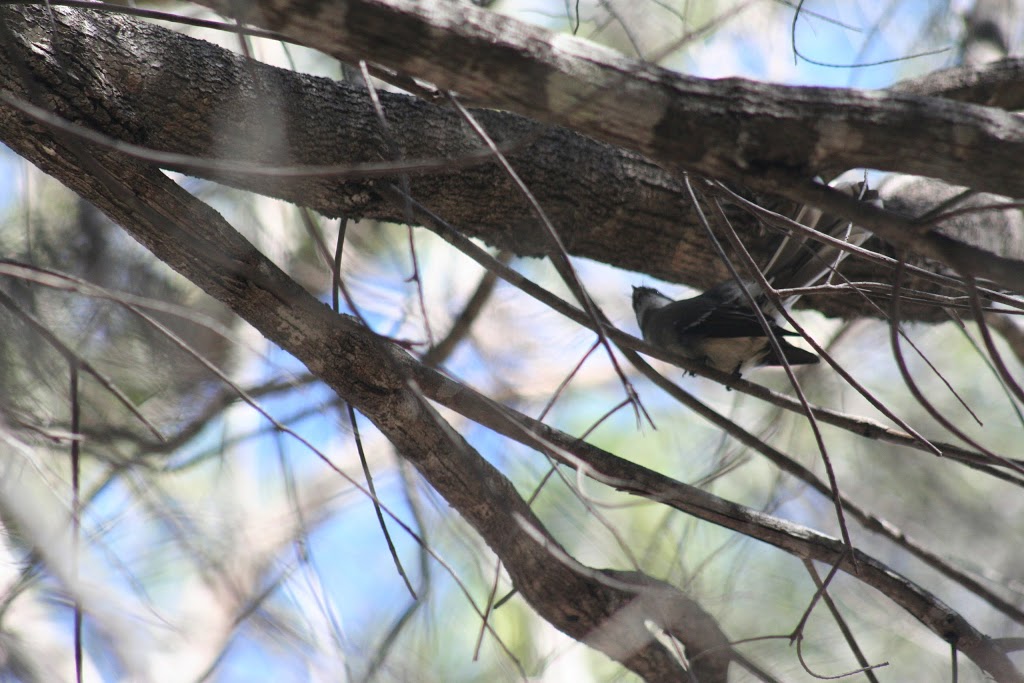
[(148, 86)]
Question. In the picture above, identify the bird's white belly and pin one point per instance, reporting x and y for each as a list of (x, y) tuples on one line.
[(729, 354)]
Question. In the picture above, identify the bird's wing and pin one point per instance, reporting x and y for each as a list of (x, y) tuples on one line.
[(708, 319)]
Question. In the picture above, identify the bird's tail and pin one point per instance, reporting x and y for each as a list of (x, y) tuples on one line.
[(802, 262)]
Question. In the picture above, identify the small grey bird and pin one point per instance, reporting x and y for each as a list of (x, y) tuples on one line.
[(719, 327)]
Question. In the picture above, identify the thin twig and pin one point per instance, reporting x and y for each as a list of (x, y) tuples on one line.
[(373, 496), (558, 254), (774, 342), (908, 380), (844, 627), (986, 335), (83, 364), (439, 353), (76, 512)]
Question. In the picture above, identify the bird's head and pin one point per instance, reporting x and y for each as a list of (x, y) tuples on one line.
[(645, 300)]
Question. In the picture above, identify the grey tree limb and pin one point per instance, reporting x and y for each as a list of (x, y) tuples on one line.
[(770, 137), (615, 206)]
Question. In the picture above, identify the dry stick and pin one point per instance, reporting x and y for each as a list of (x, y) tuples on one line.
[(776, 348), (806, 667), (339, 283), (942, 377), (537, 489), (869, 521), (798, 54), (882, 289), (737, 244), (856, 385), (986, 335), (872, 34), (565, 382), (81, 361), (784, 223), (883, 314), (76, 510), (558, 254), (381, 652), (489, 607), (844, 627), (899, 232), (560, 259), (597, 423), (607, 577), (638, 480), (580, 495), (988, 362), (863, 427), (917, 350), (578, 492), (336, 283), (798, 632), (335, 265), (439, 353), (376, 506), (396, 153), (243, 44), (865, 393), (894, 340)]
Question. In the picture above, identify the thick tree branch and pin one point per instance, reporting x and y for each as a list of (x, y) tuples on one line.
[(138, 83), (729, 128), (769, 137), (997, 84)]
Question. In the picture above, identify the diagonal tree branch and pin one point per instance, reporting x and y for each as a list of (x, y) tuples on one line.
[(604, 608)]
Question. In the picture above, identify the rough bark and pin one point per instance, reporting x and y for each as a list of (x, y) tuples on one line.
[(145, 85), (769, 137)]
